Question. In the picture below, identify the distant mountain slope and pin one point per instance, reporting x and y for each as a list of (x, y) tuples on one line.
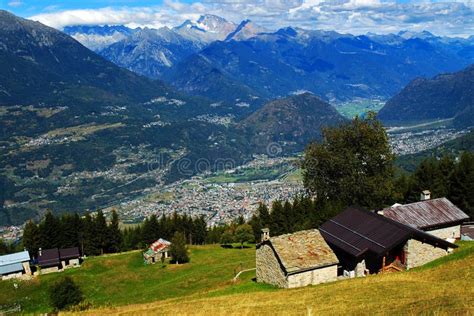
[(198, 76), (150, 52), (335, 66), (41, 64), (206, 29), (97, 37), (291, 122), (444, 96)]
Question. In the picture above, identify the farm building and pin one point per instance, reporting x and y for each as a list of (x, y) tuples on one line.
[(295, 260), (366, 242), (438, 217), (54, 260), (15, 265), (159, 250)]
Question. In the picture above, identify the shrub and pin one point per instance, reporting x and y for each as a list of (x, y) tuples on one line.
[(65, 293)]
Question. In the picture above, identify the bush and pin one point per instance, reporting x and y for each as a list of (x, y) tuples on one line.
[(65, 293)]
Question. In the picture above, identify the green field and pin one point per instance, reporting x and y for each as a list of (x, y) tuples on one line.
[(123, 284), (359, 107), (442, 287), (124, 279)]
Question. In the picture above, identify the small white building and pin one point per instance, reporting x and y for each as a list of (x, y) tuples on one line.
[(15, 265), (295, 260)]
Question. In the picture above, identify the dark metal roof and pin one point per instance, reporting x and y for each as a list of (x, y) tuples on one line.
[(49, 257), (69, 253), (426, 214), (357, 231)]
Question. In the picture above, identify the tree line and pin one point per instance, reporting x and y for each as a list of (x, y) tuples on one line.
[(94, 235)]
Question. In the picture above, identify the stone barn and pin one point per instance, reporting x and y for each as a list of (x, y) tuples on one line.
[(295, 260), (438, 217), (366, 242)]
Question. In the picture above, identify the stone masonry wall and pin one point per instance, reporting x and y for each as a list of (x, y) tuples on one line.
[(448, 232), (322, 275), (418, 253), (268, 268)]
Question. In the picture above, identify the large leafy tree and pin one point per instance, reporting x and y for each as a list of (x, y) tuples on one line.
[(244, 233), (353, 164)]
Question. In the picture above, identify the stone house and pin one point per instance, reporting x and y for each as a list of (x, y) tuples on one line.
[(15, 265), (294, 260), (366, 242), (159, 250), (438, 217)]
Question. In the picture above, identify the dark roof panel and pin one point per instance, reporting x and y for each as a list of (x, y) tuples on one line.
[(49, 257), (69, 253), (426, 214), (356, 231)]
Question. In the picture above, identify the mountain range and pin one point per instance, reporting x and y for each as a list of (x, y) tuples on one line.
[(257, 62), (78, 132), (444, 96)]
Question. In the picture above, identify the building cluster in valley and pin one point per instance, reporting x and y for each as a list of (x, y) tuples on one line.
[(357, 242), (217, 202)]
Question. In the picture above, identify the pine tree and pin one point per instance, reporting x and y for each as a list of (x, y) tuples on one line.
[(114, 234), (101, 231), (90, 244), (178, 248), (31, 238), (50, 232)]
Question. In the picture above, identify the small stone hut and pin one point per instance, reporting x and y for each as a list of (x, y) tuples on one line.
[(295, 260)]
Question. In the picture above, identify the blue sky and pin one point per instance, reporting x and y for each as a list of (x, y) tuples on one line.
[(450, 17)]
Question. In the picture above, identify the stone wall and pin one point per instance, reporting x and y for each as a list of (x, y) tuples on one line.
[(418, 253), (360, 269), (448, 232), (316, 276), (268, 267)]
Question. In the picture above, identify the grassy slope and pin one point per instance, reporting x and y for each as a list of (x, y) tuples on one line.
[(444, 286), (124, 279)]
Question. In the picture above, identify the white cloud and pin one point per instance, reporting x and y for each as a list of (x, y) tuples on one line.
[(15, 3), (350, 16)]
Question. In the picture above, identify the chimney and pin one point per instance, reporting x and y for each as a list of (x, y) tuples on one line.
[(40, 252), (425, 195), (265, 234)]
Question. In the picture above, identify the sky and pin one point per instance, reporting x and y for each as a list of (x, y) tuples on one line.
[(446, 18)]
